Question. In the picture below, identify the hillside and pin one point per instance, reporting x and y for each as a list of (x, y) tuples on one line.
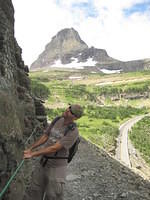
[(108, 100), (93, 175)]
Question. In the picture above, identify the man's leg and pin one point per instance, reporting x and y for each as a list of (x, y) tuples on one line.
[(54, 190)]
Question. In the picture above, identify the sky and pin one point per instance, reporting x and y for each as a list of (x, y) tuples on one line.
[(121, 27)]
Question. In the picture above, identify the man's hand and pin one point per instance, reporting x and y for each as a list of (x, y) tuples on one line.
[(44, 151), (27, 154), (28, 150)]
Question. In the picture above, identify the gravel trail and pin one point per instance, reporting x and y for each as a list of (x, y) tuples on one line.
[(94, 175)]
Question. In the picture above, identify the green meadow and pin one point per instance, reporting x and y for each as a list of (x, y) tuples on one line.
[(108, 100), (140, 137)]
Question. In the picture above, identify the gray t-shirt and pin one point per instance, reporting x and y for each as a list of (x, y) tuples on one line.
[(57, 134)]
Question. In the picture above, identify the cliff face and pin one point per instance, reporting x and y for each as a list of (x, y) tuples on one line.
[(66, 49), (18, 109)]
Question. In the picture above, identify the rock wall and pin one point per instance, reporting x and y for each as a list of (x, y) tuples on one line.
[(19, 110)]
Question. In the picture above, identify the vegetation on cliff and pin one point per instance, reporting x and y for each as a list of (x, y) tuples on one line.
[(140, 137)]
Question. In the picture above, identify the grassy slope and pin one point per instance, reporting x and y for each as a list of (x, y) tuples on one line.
[(140, 136), (102, 116)]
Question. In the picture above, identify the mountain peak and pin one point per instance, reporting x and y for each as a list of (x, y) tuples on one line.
[(67, 32), (67, 40), (66, 49)]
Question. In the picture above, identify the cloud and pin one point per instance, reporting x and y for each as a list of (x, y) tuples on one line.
[(120, 27), (124, 38), (138, 8), (36, 24)]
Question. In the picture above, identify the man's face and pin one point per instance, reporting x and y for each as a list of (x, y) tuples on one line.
[(68, 113)]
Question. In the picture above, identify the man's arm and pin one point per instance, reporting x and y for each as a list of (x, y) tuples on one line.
[(42, 140), (44, 151)]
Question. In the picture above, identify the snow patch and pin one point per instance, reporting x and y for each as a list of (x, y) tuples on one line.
[(105, 83), (75, 64), (75, 77), (46, 70), (106, 71)]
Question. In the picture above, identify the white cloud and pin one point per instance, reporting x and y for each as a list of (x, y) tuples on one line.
[(68, 3), (36, 22), (123, 37), (116, 4)]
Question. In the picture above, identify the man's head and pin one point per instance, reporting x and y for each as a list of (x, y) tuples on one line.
[(74, 110)]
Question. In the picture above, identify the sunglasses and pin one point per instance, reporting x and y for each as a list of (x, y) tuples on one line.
[(71, 111)]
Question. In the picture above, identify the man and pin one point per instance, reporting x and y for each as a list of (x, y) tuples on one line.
[(49, 176)]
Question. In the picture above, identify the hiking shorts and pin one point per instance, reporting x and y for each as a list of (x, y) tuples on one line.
[(44, 184)]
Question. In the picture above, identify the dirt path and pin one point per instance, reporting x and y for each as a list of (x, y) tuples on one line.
[(93, 175)]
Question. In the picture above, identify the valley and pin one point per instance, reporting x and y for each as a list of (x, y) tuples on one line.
[(108, 100)]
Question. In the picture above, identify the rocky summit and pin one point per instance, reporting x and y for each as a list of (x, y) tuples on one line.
[(68, 50)]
